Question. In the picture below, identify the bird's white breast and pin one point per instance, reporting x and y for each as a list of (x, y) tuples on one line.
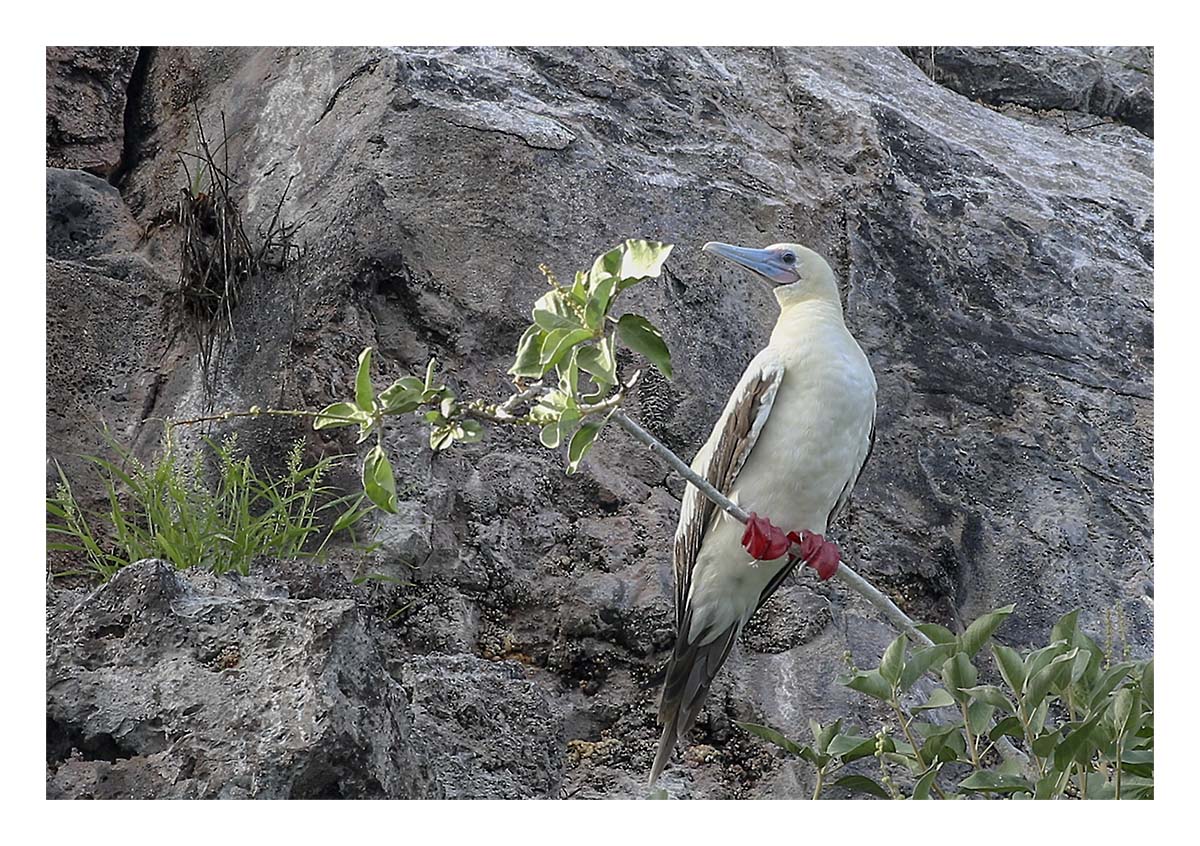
[(813, 444)]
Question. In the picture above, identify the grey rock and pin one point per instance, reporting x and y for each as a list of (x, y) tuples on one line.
[(85, 217), (1113, 82), (492, 733), (85, 106), (997, 269), (164, 685)]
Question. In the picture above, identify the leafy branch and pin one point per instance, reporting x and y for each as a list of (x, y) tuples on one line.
[(1086, 721), (570, 350)]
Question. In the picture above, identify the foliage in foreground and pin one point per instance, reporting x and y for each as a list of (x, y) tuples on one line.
[(171, 510), (1085, 720), (569, 350)]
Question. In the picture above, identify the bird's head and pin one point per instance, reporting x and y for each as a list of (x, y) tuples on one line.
[(795, 273)]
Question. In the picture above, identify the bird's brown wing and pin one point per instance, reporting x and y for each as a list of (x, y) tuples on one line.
[(719, 461), (698, 655)]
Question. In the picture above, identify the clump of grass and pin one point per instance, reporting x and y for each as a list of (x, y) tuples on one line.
[(174, 510)]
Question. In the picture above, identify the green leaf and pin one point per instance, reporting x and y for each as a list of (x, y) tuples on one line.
[(861, 784), (1044, 743), (1010, 726), (332, 416), (1066, 627), (630, 262), (852, 747), (553, 433), (1148, 683), (823, 736), (605, 266), (987, 781), (1076, 746), (598, 302), (643, 259), (991, 695), (1095, 661), (1108, 682), (568, 373), (402, 396), (1051, 676), (641, 336), (1011, 667), (936, 737), (1038, 659), (430, 369), (1124, 707), (548, 321), (938, 634), (921, 660), (579, 290), (599, 360), (979, 716), (955, 748), (528, 361), (365, 429), (925, 783), (1087, 660), (559, 342), (939, 698), (1133, 787), (364, 393), (378, 481), (980, 630), (556, 310), (892, 665), (582, 440), (869, 682), (772, 736), (957, 673), (1048, 787), (350, 516), (1039, 717)]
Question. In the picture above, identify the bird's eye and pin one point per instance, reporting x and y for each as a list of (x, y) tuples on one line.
[(789, 258)]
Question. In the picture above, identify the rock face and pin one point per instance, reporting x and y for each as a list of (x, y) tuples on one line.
[(490, 732), (86, 93), (1109, 82), (166, 685), (997, 267)]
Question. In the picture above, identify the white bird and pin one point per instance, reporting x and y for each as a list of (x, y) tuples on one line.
[(789, 447)]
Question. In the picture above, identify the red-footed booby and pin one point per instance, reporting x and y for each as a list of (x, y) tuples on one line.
[(788, 447)]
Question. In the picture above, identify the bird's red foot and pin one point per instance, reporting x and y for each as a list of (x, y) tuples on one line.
[(766, 542), (763, 540), (818, 553)]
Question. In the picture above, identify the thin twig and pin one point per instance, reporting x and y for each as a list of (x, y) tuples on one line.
[(844, 571)]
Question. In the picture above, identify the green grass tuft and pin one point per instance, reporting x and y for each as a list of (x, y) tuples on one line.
[(220, 520)]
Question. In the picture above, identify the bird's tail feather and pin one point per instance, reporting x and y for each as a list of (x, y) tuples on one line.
[(694, 664)]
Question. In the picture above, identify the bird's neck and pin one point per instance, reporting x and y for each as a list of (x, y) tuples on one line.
[(806, 317)]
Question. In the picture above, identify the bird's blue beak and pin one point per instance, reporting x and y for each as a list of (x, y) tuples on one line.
[(765, 263)]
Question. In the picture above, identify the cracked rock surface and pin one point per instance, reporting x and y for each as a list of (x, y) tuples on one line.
[(997, 268)]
